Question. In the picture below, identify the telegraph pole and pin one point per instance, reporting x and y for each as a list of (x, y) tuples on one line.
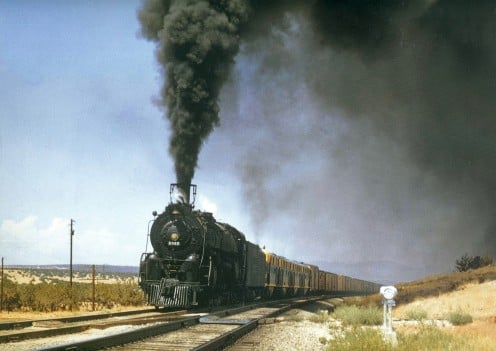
[(70, 266), (1, 293), (93, 274)]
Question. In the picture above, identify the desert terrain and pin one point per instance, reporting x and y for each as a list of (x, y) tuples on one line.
[(472, 292)]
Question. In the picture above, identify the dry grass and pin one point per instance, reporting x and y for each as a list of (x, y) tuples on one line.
[(443, 283), (433, 286), (478, 300), (472, 293)]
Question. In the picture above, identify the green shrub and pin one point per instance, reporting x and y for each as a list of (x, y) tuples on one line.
[(354, 315), (417, 314), (467, 262), (49, 297), (360, 339), (459, 318)]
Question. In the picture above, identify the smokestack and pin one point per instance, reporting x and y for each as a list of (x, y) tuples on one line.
[(183, 193), (183, 189)]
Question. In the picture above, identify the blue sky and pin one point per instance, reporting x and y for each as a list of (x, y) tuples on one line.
[(80, 137)]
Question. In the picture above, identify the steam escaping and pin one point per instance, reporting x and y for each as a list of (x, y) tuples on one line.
[(196, 45)]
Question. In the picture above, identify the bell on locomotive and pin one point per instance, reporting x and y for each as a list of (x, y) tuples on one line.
[(171, 275)]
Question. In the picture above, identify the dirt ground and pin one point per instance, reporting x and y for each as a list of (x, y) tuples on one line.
[(478, 300)]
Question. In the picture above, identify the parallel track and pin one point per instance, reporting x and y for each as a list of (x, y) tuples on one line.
[(35, 329), (211, 332), (88, 317)]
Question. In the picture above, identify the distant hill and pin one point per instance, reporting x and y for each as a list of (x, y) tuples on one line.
[(81, 273), (438, 284), (100, 268)]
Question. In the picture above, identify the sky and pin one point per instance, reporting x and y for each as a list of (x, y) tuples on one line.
[(316, 155), (80, 137)]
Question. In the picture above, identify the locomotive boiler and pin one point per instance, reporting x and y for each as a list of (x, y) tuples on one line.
[(197, 260)]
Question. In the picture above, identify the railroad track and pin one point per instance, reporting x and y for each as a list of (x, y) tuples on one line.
[(35, 329), (189, 332)]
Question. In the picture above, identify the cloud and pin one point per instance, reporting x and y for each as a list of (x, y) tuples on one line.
[(27, 242)]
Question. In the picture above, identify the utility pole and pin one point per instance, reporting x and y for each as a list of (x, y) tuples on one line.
[(1, 293), (93, 274), (70, 266)]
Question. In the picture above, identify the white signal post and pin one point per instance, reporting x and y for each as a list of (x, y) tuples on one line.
[(388, 294)]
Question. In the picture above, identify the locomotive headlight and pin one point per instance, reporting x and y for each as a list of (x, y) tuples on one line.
[(171, 235)]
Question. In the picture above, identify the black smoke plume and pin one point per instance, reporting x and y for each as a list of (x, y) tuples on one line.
[(196, 45)]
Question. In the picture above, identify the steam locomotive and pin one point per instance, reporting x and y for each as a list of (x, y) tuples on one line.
[(199, 261)]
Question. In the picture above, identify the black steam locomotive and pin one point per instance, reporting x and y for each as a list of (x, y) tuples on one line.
[(199, 261)]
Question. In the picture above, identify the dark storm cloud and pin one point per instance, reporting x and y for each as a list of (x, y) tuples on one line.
[(432, 89), (414, 168), (366, 125)]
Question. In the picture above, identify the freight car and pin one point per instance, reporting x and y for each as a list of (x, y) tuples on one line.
[(199, 261)]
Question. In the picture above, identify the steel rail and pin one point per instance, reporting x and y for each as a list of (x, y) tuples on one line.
[(78, 325), (86, 317), (245, 326)]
